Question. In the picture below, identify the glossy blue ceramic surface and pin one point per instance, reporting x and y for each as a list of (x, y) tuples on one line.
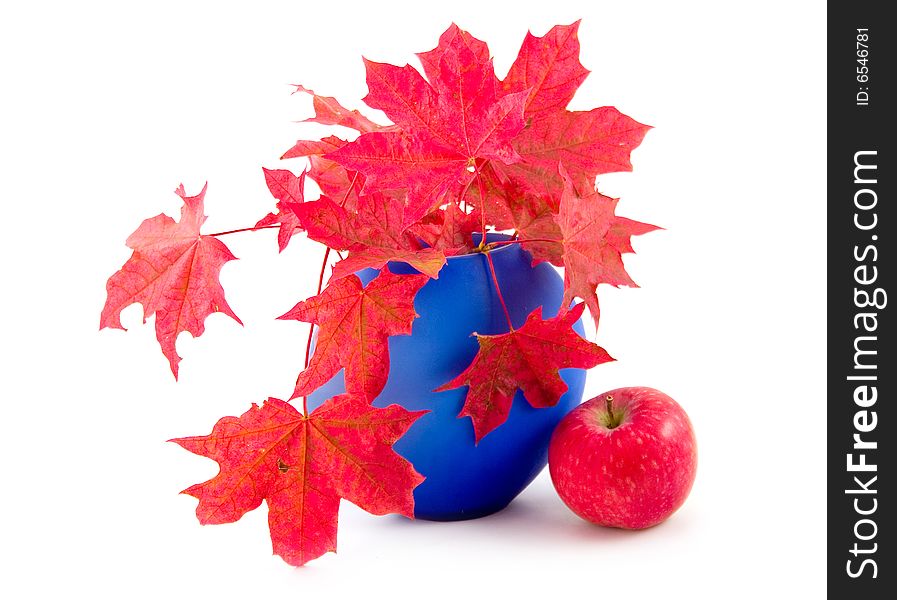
[(465, 480)]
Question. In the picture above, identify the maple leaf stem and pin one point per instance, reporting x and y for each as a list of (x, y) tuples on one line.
[(463, 197), (349, 191), (526, 241), (243, 229), (311, 327), (483, 222), (498, 291)]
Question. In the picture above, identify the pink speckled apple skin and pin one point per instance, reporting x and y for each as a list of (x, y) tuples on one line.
[(633, 476)]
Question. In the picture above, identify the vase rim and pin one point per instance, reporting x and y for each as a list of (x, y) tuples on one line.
[(490, 237)]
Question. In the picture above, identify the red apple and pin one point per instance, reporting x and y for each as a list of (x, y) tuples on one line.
[(626, 458)]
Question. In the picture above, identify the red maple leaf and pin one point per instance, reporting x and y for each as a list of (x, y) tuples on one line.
[(593, 240), (549, 68), (586, 143), (289, 191), (354, 324), (527, 358), (173, 272), (373, 235), (301, 467), (446, 125)]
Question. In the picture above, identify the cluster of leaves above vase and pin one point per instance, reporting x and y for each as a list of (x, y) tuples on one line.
[(466, 154)]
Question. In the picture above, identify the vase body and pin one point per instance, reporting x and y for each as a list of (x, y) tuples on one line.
[(467, 480)]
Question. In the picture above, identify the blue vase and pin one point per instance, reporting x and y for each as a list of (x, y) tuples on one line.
[(467, 480)]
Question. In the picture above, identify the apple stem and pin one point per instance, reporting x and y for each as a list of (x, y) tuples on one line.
[(611, 419), (498, 290)]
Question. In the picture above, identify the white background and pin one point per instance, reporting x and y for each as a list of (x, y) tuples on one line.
[(107, 108)]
